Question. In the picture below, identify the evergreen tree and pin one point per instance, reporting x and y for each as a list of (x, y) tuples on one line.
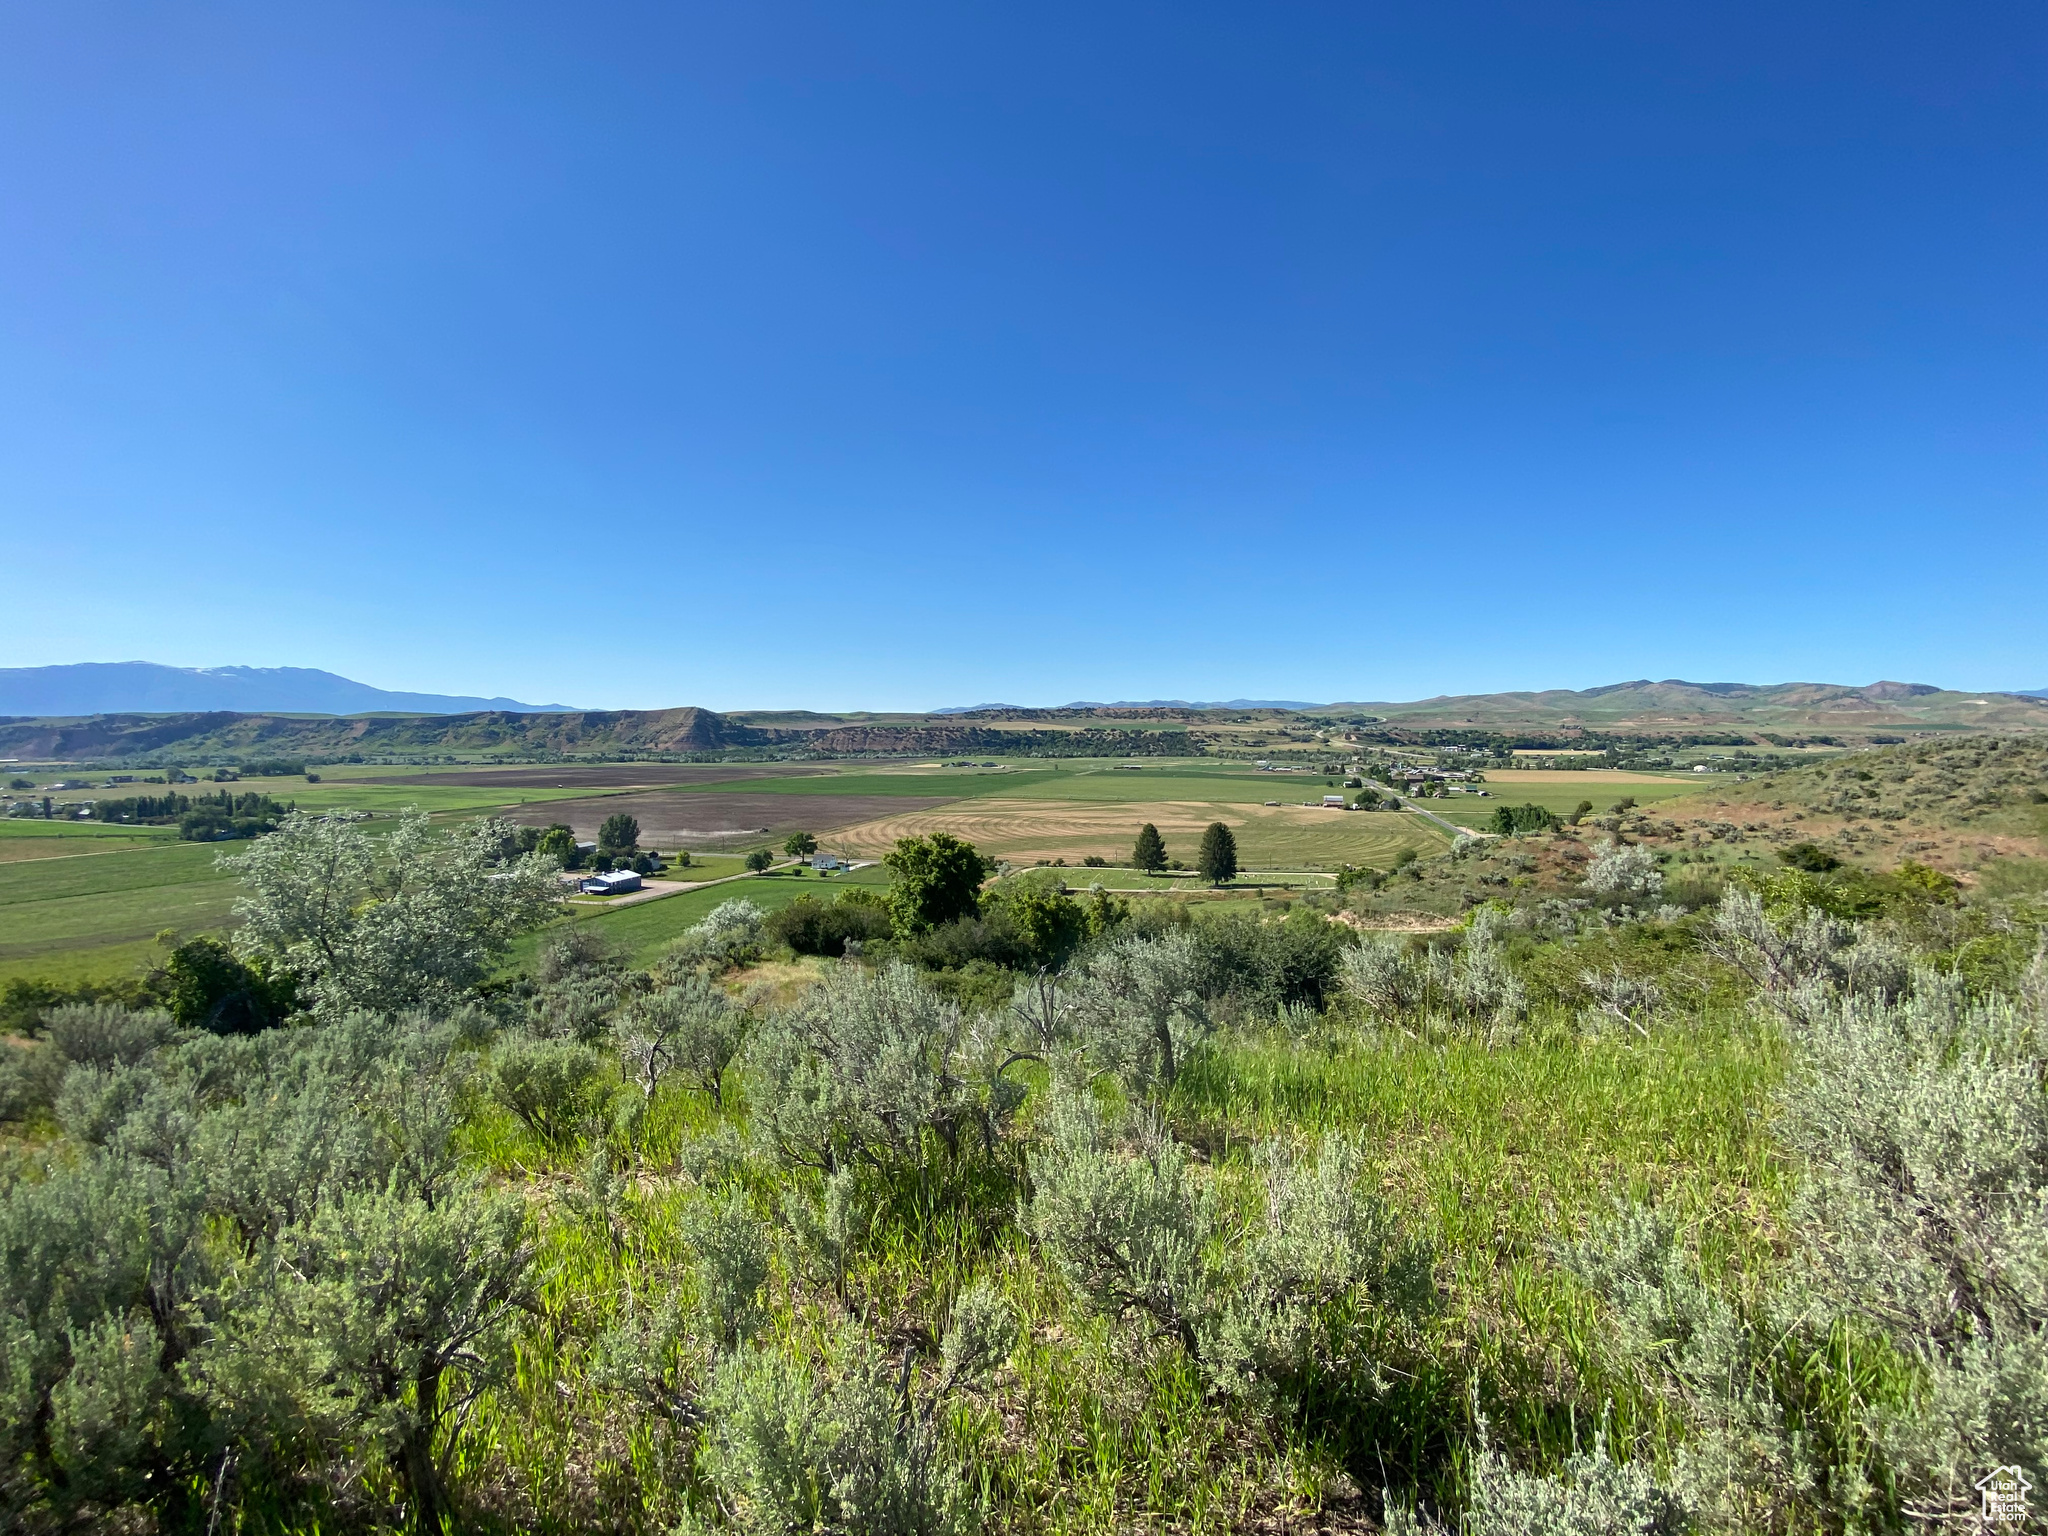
[(1150, 853), (1218, 858)]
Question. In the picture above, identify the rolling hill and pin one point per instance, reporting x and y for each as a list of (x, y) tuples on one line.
[(1848, 716), (1645, 705)]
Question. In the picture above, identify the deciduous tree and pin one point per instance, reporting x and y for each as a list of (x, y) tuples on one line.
[(938, 880), (619, 833), (382, 924)]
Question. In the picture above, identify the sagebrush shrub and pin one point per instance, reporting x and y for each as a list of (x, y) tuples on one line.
[(1624, 869), (555, 1088), (691, 1030), (862, 1069), (1127, 1228), (729, 934), (831, 1446), (729, 1247), (1593, 1495), (1138, 1005), (1922, 1126)]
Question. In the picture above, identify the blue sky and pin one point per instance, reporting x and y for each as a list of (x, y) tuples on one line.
[(902, 356)]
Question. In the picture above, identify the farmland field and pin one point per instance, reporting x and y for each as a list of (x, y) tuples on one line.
[(681, 819), (1178, 882), (361, 795), (65, 839), (591, 776), (1277, 837), (96, 926), (97, 915), (918, 782)]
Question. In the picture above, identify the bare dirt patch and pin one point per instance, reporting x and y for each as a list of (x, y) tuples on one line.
[(669, 819), (600, 775)]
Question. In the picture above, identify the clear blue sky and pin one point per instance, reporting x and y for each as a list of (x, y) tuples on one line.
[(901, 356)]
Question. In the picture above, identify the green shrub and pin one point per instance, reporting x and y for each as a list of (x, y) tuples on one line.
[(802, 1447), (555, 1088), (691, 1030), (813, 927), (862, 1068), (730, 934)]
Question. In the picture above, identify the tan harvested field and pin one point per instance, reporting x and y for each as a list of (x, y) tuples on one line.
[(670, 820), (1273, 837)]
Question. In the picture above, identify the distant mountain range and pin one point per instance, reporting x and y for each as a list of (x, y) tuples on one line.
[(143, 687), (1643, 704), (970, 709)]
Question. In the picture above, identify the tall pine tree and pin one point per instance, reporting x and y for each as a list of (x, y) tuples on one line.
[(1218, 858), (1150, 854)]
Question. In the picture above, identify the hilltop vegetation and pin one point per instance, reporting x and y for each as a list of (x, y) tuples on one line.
[(951, 1206), (670, 732)]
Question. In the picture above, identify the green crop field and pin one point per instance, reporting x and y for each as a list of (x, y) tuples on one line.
[(94, 917), (1148, 785), (23, 839)]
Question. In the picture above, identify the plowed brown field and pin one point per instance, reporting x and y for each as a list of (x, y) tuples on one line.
[(600, 776), (670, 820)]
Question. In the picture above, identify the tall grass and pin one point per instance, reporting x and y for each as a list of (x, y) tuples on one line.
[(1494, 1152)]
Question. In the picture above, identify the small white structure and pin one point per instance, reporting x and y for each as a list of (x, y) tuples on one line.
[(826, 861), (610, 884), (1333, 802)]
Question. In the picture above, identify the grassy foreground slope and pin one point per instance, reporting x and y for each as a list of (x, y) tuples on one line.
[(1597, 1207)]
